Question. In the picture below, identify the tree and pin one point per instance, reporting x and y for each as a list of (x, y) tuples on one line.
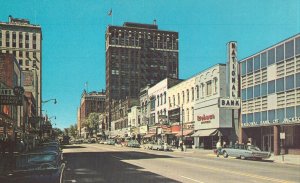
[(73, 130), (57, 132), (92, 123)]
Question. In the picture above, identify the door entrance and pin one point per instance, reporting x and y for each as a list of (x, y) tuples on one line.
[(268, 143)]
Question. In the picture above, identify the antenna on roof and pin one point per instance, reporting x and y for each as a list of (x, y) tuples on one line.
[(154, 22)]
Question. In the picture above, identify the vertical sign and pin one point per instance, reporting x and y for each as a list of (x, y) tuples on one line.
[(233, 70)]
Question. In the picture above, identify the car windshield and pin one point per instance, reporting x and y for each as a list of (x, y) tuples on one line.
[(29, 161)]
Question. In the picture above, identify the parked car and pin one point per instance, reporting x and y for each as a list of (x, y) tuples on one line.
[(133, 143), (110, 142), (148, 145), (161, 147), (101, 141), (44, 148), (36, 167), (245, 152)]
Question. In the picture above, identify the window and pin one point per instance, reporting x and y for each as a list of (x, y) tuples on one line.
[(280, 85), (208, 88), (165, 97), (289, 82), (188, 115), (297, 80), (170, 103), (280, 114), (298, 111), (20, 54), (27, 62), (244, 95), (271, 87), (243, 68), (192, 113), (256, 91), (193, 92), (157, 100), (249, 93), (289, 49), (197, 91), (290, 112), (271, 115), (257, 116), (202, 90), (297, 46), (250, 117), (174, 99), (161, 99), (187, 95), (263, 60), (26, 36), (183, 97), (264, 89), (271, 56), (178, 96), (250, 65), (244, 118), (256, 62), (264, 116), (279, 53), (216, 85), (21, 62), (182, 115)]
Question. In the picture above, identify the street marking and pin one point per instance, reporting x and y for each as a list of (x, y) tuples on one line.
[(116, 157), (70, 181), (191, 179), (231, 172)]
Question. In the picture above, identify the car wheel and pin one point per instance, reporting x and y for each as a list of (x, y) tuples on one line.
[(243, 157), (225, 154)]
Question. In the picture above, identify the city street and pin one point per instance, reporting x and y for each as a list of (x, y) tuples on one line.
[(105, 163)]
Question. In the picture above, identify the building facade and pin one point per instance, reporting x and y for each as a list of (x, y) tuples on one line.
[(24, 40), (137, 55), (270, 81), (92, 102)]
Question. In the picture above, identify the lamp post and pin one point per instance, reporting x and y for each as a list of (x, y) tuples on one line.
[(55, 101)]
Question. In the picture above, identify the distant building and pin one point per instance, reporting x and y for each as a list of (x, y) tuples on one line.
[(92, 102), (24, 41), (270, 93), (137, 55)]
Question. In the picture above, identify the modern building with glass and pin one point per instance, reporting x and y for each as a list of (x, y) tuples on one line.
[(270, 93)]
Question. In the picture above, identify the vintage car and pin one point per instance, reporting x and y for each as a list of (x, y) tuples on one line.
[(36, 167), (133, 143), (245, 152), (161, 147)]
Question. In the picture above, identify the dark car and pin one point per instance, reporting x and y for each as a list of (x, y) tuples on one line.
[(36, 167)]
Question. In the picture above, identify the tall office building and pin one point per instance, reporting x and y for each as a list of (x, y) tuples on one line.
[(24, 41), (137, 55)]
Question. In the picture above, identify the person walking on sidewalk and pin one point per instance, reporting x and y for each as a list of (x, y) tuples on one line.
[(219, 148)]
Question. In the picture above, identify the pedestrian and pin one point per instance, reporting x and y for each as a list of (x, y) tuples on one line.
[(176, 144), (219, 148), (224, 144)]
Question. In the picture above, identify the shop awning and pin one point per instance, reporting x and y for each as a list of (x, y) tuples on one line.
[(149, 135), (205, 133), (185, 133)]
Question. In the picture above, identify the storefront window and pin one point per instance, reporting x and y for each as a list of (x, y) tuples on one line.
[(290, 112), (280, 85), (256, 91), (289, 82), (279, 53), (264, 89), (271, 56), (289, 49), (271, 87), (263, 60), (271, 115), (256, 62), (280, 114), (250, 65)]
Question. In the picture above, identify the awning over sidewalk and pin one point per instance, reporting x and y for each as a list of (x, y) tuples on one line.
[(149, 135), (185, 133), (205, 133)]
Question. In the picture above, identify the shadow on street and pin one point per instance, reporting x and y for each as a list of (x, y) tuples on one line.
[(108, 167), (71, 147)]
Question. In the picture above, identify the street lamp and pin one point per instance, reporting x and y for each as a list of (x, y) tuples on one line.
[(55, 101)]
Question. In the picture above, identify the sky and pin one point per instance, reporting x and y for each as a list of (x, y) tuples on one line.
[(73, 47)]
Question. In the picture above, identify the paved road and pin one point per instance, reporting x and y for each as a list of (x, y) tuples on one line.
[(88, 163)]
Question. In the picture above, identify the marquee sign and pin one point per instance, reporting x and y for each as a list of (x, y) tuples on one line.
[(12, 96), (229, 103)]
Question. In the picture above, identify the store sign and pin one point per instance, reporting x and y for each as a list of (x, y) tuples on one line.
[(12, 96), (230, 103), (233, 70), (269, 122), (205, 118), (6, 91)]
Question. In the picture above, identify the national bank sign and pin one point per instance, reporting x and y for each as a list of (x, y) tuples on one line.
[(232, 102)]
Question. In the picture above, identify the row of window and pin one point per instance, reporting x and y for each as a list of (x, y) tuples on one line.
[(272, 115), (279, 85), (284, 51), (14, 42), (202, 90)]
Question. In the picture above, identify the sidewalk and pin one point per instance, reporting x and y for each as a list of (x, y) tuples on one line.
[(287, 158)]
